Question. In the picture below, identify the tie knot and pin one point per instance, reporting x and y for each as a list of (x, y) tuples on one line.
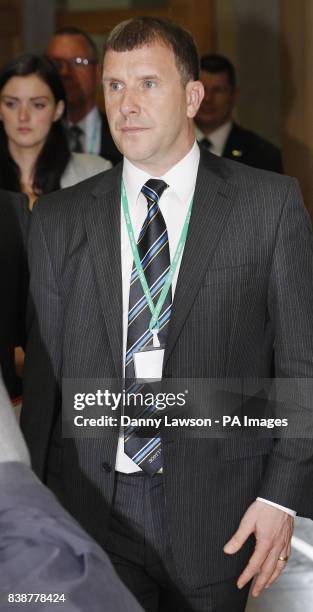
[(75, 134), (206, 143), (76, 131), (153, 189)]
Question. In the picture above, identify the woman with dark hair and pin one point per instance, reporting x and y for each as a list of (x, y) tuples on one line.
[(34, 159), (34, 152)]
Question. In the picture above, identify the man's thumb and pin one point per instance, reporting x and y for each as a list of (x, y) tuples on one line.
[(237, 541)]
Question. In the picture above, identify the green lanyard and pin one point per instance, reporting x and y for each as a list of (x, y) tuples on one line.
[(155, 309)]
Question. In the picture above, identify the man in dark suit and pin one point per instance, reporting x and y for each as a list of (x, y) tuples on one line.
[(43, 549), (164, 506), (76, 57), (215, 127), (14, 283)]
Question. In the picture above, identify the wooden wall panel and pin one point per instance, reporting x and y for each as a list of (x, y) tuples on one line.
[(11, 35), (197, 16), (297, 19)]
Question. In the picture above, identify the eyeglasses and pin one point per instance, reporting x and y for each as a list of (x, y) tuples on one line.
[(73, 62)]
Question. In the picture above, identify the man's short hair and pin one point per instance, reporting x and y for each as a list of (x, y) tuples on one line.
[(72, 31), (215, 64), (135, 33)]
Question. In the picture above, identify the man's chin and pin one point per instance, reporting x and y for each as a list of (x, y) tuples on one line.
[(132, 152), (74, 97), (208, 120)]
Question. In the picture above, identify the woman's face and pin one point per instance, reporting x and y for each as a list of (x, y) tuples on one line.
[(28, 109)]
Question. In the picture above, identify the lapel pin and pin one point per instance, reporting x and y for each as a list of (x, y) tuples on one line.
[(236, 153)]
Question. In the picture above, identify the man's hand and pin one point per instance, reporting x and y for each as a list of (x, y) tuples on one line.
[(273, 530)]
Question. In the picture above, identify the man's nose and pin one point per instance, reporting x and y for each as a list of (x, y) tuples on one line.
[(63, 66), (129, 103)]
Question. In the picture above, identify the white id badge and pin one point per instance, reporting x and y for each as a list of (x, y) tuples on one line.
[(148, 363)]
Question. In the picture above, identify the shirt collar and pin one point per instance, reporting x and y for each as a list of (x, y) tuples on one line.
[(218, 137), (134, 178)]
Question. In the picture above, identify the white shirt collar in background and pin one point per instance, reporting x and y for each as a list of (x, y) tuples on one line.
[(91, 126), (218, 138)]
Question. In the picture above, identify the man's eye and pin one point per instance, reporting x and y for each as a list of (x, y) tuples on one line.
[(116, 86), (149, 84)]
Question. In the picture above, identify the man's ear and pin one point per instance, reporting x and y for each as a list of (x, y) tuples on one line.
[(194, 97), (59, 110)]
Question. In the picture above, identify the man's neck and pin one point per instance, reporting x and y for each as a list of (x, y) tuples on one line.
[(160, 167), (76, 115)]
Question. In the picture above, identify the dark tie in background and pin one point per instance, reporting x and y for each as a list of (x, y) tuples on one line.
[(75, 138), (206, 144), (154, 254)]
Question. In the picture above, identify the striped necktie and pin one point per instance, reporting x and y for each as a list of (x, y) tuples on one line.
[(154, 254)]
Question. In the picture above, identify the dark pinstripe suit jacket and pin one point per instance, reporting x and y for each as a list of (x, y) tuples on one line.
[(245, 288)]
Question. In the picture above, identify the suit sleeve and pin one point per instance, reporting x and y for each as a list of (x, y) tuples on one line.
[(51, 552), (41, 389), (289, 475)]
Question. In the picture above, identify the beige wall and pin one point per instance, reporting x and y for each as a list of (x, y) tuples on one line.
[(249, 33), (297, 26), (38, 24)]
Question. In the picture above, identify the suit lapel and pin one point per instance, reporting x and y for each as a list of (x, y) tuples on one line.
[(102, 220), (213, 202), (233, 146)]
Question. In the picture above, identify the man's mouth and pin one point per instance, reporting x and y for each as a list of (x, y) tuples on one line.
[(132, 129)]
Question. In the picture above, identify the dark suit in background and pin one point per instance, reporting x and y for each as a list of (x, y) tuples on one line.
[(249, 148), (219, 78), (14, 216)]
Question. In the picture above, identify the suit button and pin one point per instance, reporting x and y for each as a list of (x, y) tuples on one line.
[(106, 467)]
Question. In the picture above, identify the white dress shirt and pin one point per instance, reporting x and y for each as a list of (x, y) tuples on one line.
[(91, 127), (174, 205), (218, 138)]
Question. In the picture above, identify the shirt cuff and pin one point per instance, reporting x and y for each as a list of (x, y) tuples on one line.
[(270, 503)]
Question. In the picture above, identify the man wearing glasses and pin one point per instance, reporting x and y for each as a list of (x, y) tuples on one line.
[(76, 57)]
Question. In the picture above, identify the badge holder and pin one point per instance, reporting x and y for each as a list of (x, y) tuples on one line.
[(148, 361)]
